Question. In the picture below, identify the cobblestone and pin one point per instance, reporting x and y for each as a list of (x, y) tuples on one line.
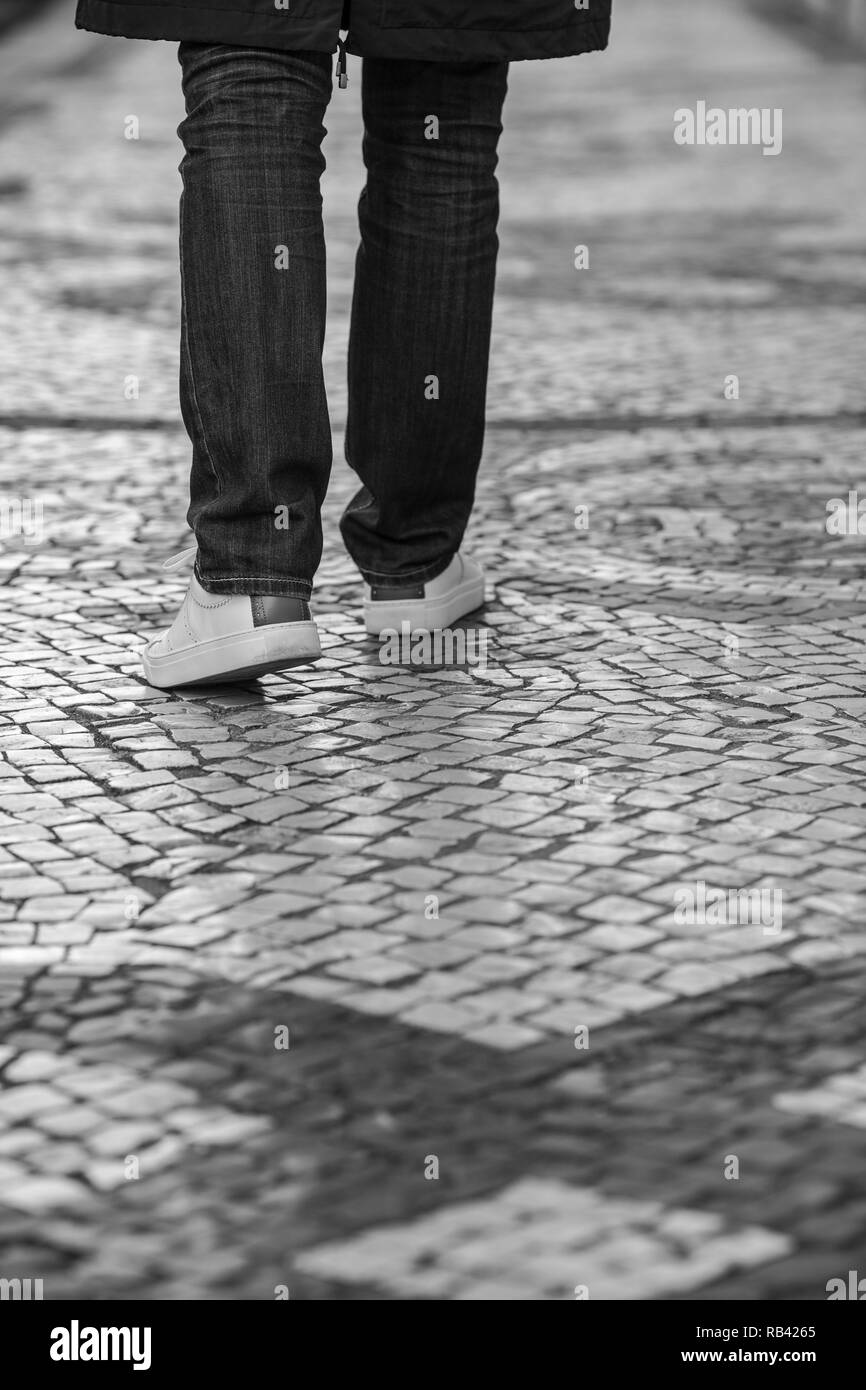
[(461, 909), (523, 1245)]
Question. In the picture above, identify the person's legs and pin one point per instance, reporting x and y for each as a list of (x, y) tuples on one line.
[(252, 391), (254, 298), (421, 316)]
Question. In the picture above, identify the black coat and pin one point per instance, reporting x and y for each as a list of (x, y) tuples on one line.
[(443, 30)]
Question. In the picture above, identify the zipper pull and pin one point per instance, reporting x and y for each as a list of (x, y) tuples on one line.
[(342, 65)]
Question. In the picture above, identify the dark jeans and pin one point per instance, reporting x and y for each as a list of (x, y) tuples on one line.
[(254, 297)]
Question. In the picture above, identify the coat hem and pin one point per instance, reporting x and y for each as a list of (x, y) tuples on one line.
[(478, 45), (198, 23)]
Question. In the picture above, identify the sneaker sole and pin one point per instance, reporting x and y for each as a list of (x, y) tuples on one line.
[(243, 657), (425, 614)]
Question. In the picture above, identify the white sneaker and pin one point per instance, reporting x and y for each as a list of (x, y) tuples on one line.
[(427, 607), (229, 637)]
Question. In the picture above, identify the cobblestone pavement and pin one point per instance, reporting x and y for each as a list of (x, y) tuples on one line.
[(445, 883)]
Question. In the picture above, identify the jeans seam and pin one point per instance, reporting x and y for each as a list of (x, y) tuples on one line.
[(350, 511), (188, 350), (278, 581), (410, 574), (253, 578)]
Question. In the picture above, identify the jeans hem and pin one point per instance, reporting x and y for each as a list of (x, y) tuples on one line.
[(407, 579), (246, 584)]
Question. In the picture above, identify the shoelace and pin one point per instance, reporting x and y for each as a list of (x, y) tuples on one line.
[(181, 559)]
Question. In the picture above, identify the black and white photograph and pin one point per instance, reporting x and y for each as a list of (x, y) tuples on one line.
[(432, 739)]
